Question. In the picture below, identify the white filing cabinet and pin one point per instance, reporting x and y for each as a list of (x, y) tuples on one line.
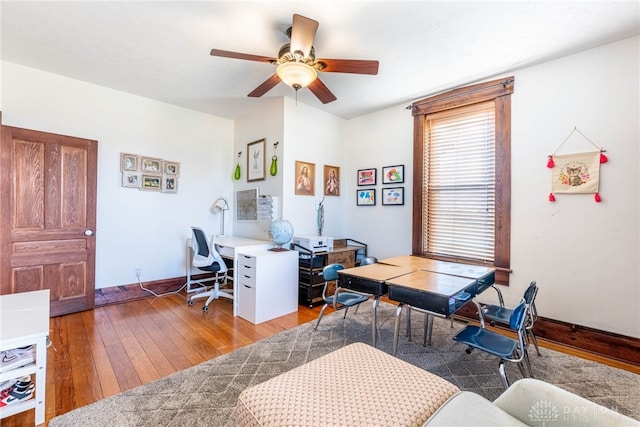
[(24, 320), (267, 284), (228, 247)]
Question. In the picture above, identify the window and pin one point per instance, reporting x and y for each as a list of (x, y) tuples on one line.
[(462, 176)]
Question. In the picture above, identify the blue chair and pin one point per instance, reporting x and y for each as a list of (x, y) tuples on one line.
[(501, 314), (501, 346), (342, 299)]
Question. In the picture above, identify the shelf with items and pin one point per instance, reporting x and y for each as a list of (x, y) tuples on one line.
[(24, 322), (347, 252)]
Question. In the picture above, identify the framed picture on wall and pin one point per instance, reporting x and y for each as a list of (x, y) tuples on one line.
[(393, 196), (255, 161), (331, 180), (151, 182), (169, 184), (366, 197), (129, 162), (171, 168), (131, 179), (305, 178), (150, 164), (393, 174), (367, 176)]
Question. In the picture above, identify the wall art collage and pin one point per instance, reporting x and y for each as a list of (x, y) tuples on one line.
[(391, 195), (149, 173)]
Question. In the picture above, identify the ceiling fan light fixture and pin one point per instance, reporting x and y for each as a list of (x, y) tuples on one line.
[(296, 74)]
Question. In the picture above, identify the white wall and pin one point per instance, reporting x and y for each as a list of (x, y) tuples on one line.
[(584, 255), (315, 137), (134, 228)]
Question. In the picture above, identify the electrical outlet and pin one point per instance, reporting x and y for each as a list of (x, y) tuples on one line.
[(138, 272)]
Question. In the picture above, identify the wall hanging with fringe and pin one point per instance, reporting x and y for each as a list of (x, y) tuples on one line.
[(577, 173)]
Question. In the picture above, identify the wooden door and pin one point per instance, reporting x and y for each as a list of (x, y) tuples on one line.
[(48, 217)]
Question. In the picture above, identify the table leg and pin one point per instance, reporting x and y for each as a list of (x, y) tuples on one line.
[(428, 325), (396, 329), (409, 322), (374, 323)]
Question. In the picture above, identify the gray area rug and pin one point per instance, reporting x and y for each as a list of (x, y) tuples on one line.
[(206, 394)]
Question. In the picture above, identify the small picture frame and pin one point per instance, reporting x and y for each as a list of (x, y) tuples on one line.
[(150, 164), (331, 180), (131, 179), (151, 182), (171, 168), (366, 197), (393, 174), (256, 161), (169, 184), (305, 178), (393, 196), (367, 176), (129, 162)]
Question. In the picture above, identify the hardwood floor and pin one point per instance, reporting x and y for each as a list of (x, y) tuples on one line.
[(98, 353)]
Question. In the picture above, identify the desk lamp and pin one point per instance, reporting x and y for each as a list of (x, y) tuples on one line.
[(221, 205)]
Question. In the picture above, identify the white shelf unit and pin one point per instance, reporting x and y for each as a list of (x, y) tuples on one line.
[(267, 284), (24, 320)]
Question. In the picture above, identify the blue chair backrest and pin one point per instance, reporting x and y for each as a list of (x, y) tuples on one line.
[(202, 247), (330, 272), (530, 293), (518, 316)]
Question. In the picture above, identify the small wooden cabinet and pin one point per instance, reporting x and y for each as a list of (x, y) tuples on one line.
[(310, 265), (266, 286)]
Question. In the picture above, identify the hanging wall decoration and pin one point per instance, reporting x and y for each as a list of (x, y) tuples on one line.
[(577, 173), (273, 170), (236, 171)]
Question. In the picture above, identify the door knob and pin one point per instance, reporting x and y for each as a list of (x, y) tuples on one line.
[(88, 232)]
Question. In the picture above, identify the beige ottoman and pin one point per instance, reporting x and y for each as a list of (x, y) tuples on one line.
[(357, 385)]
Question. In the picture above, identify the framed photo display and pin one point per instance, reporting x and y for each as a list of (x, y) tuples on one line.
[(305, 178), (393, 174), (393, 196), (331, 180), (367, 176), (255, 161), (366, 197)]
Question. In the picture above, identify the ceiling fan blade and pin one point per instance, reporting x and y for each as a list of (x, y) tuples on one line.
[(265, 87), (303, 31), (237, 55), (321, 91), (354, 66)]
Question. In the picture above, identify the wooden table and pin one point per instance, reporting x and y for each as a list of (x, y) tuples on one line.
[(435, 287), (371, 279)]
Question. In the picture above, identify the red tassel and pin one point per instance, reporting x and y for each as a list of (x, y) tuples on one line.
[(552, 198), (597, 197), (603, 158), (550, 163)]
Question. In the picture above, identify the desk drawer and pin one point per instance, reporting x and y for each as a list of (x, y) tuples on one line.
[(246, 260), (346, 258), (225, 251)]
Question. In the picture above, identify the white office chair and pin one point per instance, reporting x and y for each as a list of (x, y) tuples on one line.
[(207, 259)]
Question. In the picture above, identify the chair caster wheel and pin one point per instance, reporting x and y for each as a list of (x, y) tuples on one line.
[(205, 308), (468, 351), (189, 303)]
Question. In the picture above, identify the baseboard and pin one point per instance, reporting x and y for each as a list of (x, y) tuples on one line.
[(603, 343), (607, 344)]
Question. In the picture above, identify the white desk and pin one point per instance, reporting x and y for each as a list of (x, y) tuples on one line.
[(228, 247)]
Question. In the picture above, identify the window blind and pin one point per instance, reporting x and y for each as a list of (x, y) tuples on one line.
[(459, 183)]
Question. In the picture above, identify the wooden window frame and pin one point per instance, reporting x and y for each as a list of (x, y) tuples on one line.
[(499, 91)]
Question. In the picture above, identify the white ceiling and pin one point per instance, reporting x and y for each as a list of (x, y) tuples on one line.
[(160, 49)]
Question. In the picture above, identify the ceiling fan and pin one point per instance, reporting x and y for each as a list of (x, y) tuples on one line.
[(297, 63)]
